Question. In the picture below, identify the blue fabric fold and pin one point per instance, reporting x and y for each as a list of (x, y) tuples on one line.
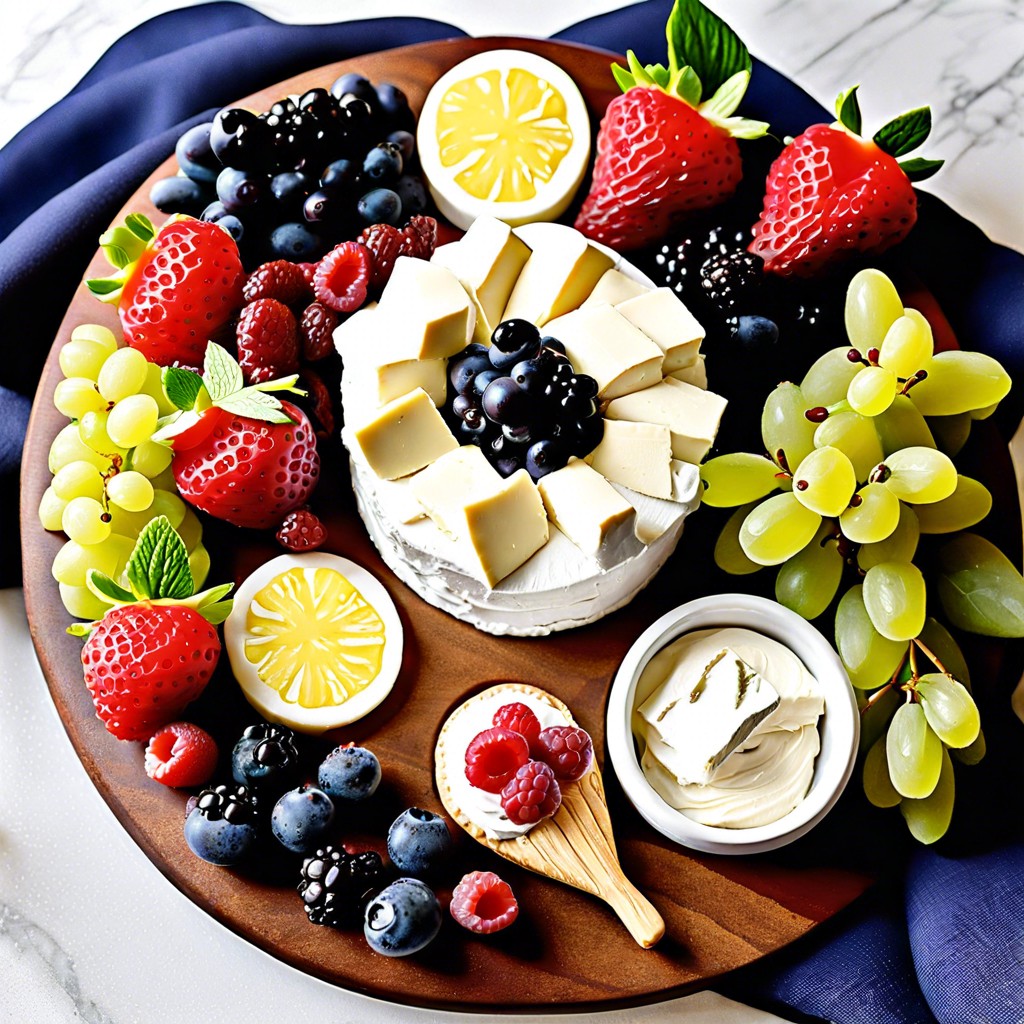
[(943, 942)]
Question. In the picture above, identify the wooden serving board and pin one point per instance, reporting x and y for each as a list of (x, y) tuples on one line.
[(567, 949)]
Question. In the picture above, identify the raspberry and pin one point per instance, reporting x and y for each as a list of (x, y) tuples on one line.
[(422, 231), (308, 272), (567, 750), (483, 903), (519, 718), (493, 756), (268, 341), (279, 280), (342, 277), (181, 754), (318, 401), (301, 530), (385, 244), (316, 331), (531, 795)]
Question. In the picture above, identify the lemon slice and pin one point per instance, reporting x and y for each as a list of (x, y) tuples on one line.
[(314, 641), (504, 134)]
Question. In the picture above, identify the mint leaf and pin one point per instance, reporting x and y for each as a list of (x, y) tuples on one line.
[(158, 566), (848, 110), (918, 168), (182, 386), (256, 405), (904, 133), (221, 374), (106, 589), (701, 39)]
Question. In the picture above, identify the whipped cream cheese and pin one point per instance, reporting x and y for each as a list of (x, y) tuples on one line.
[(483, 809), (770, 771)]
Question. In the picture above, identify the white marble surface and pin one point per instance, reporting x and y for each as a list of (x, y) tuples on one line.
[(89, 930)]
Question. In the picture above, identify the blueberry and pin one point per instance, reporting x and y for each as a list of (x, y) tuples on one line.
[(195, 157), (462, 372), (221, 825), (393, 102), (180, 195), (756, 333), (402, 919), (239, 190), (483, 379), (413, 193), (545, 457), (512, 342), (406, 142), (216, 214), (356, 85), (295, 242), (553, 344), (301, 818), (531, 374), (383, 164), (265, 755), (462, 404), (290, 189), (508, 464), (419, 841), (239, 138), (340, 174), (323, 206), (349, 773), (380, 206)]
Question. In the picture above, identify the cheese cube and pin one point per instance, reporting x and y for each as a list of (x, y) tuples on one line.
[(694, 722), (691, 414), (562, 271), (403, 436), (487, 261), (614, 287), (428, 313), (501, 522), (697, 374), (668, 323), (591, 513), (636, 455), (604, 344)]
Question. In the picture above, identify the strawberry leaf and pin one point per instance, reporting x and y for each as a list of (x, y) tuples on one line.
[(904, 133), (102, 287), (215, 614), (158, 567), (727, 98), (918, 168), (106, 589), (639, 72), (623, 79), (848, 110), (700, 39), (660, 74), (221, 374), (686, 86), (255, 405), (182, 386), (140, 226)]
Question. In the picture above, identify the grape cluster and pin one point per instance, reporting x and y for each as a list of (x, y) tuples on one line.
[(861, 477), (521, 401), (109, 477), (310, 171)]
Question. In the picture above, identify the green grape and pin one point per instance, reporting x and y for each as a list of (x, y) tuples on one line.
[(199, 563), (153, 386), (82, 358), (951, 432), (960, 381), (132, 420), (828, 379), (929, 818), (51, 510), (966, 506), (190, 530), (920, 475), (974, 753), (983, 414), (807, 582), (872, 391), (131, 491), (68, 447), (949, 708), (166, 503), (97, 334), (899, 546), (784, 427), (913, 752), (74, 560), (855, 436), (872, 517), (151, 458), (825, 481), (870, 658), (75, 396), (907, 345), (93, 430), (736, 479), (84, 521), (874, 717), (980, 589), (872, 304), (902, 426), (164, 480), (123, 374), (895, 599), (82, 603), (777, 529), (878, 787), (729, 556), (78, 478)]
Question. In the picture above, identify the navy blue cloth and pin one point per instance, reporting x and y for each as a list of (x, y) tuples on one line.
[(943, 940)]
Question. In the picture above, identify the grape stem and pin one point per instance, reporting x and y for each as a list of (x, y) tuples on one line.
[(879, 693), (931, 656)]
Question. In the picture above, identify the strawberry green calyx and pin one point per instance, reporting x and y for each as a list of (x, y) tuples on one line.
[(123, 246), (158, 573), (897, 137), (221, 385), (705, 58)]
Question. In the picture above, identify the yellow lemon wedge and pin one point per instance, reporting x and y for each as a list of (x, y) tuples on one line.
[(314, 641), (504, 134)]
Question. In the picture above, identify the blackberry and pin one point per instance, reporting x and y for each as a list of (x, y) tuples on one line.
[(728, 280), (221, 826), (265, 753), (678, 263), (336, 885)]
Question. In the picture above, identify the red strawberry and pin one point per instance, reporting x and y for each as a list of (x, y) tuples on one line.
[(831, 193), (268, 340), (662, 152), (173, 288)]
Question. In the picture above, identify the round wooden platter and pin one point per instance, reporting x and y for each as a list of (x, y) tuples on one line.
[(567, 950)]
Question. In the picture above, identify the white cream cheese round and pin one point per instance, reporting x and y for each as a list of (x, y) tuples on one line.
[(770, 772)]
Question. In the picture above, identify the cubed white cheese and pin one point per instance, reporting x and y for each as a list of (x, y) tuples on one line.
[(636, 455), (661, 315), (614, 287), (696, 374)]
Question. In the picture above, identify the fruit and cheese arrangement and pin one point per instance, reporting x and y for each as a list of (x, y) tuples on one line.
[(435, 332)]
